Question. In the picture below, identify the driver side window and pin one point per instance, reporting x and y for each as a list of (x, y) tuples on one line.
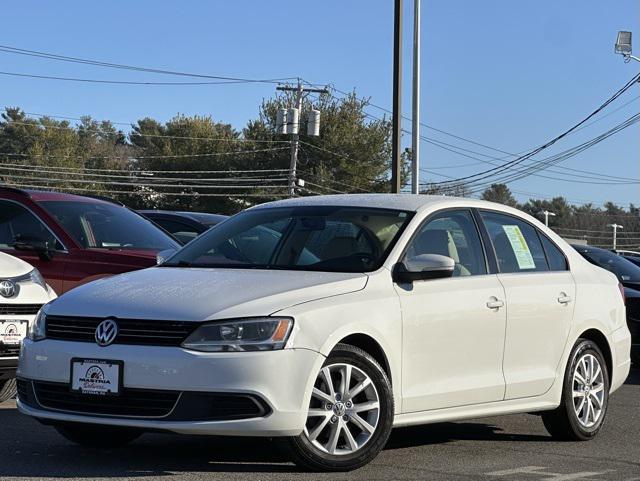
[(16, 220), (453, 234)]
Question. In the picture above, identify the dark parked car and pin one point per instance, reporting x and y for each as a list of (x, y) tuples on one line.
[(184, 226), (634, 259), (628, 274), (73, 240)]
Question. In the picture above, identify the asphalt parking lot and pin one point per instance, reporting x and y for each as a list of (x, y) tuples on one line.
[(506, 448)]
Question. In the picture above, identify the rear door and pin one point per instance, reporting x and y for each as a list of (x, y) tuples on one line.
[(540, 293), (17, 220)]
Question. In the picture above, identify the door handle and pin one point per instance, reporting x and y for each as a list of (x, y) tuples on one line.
[(494, 303), (564, 299)]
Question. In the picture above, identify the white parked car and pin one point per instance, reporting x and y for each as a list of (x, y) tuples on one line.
[(326, 321), (23, 292)]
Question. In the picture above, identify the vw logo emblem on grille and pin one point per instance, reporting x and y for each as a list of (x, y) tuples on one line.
[(7, 289), (106, 332)]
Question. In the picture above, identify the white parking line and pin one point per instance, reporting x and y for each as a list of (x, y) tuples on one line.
[(541, 473)]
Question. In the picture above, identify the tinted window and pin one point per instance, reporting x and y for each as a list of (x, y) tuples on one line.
[(452, 234), (180, 231), (17, 221), (624, 270), (555, 257), (516, 243), (107, 226), (336, 239)]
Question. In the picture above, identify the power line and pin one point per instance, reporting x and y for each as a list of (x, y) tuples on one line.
[(117, 82), (489, 172), (98, 63)]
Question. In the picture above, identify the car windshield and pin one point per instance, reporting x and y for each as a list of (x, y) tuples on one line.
[(107, 226), (624, 269), (332, 239)]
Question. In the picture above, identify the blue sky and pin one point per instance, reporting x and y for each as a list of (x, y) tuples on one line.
[(508, 74)]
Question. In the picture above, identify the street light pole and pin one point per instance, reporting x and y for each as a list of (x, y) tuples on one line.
[(396, 117), (546, 217), (615, 233), (623, 46), (415, 129)]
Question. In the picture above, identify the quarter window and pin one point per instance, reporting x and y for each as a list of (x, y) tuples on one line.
[(516, 243), (555, 257), (452, 234)]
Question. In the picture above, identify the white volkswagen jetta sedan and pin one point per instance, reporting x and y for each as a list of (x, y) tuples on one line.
[(23, 292), (326, 321)]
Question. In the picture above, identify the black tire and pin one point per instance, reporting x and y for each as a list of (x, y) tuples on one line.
[(563, 423), (8, 390), (307, 456), (97, 436)]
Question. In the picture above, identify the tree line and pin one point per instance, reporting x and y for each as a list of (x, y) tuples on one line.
[(199, 163)]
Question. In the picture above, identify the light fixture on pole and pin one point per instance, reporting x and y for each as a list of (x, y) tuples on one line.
[(623, 46), (546, 217), (615, 234)]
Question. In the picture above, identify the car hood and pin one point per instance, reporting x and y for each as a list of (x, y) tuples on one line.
[(13, 267), (196, 294)]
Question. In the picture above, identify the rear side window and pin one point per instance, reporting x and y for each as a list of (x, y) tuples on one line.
[(516, 243), (555, 257)]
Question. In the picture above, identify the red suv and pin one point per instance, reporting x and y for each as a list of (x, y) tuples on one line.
[(73, 240)]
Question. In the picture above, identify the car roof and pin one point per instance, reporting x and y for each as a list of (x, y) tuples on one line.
[(43, 195), (202, 217), (408, 202)]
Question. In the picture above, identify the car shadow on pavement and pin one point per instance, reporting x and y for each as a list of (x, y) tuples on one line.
[(459, 431), (155, 455), (634, 375)]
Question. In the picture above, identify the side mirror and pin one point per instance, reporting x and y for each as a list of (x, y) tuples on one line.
[(33, 244), (162, 256), (423, 267)]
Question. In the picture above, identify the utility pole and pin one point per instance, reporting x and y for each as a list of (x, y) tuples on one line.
[(546, 217), (396, 117), (615, 234), (293, 127), (415, 141)]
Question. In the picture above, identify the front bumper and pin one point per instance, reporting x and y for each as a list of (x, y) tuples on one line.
[(282, 380)]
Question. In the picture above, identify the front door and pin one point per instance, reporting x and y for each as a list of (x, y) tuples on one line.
[(540, 293), (454, 328), (15, 221)]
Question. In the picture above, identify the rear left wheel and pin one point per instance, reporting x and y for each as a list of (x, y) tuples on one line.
[(350, 414), (585, 395)]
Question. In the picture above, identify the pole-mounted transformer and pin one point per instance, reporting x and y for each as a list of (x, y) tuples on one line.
[(313, 123), (288, 122), (281, 121)]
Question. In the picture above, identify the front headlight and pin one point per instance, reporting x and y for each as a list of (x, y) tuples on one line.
[(37, 329), (258, 334)]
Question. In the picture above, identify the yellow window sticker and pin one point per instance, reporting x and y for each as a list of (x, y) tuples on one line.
[(519, 246)]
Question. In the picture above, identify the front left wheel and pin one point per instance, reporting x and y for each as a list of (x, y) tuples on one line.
[(350, 414)]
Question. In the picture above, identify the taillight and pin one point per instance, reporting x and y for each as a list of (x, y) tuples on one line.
[(624, 298)]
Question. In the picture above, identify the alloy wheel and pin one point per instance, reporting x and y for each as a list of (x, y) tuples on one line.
[(344, 410), (588, 390)]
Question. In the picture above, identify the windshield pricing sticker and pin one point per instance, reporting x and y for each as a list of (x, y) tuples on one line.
[(519, 246), (12, 332)]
